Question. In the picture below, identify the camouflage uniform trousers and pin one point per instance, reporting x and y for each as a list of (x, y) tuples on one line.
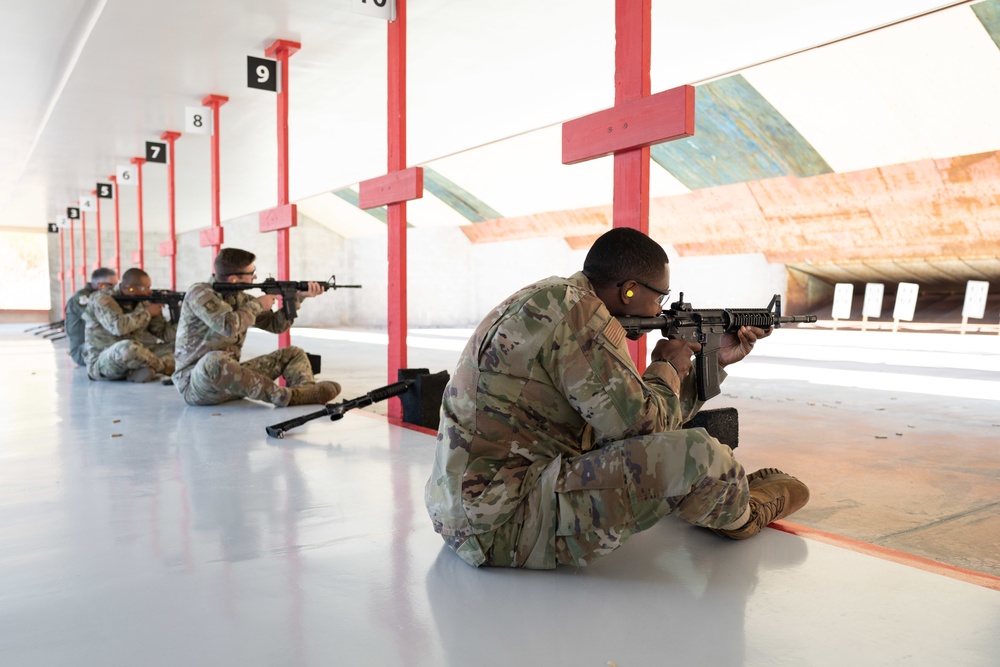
[(605, 496), (125, 356), (218, 377)]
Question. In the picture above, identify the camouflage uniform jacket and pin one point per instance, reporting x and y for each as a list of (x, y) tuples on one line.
[(75, 326), (108, 322), (545, 377), (211, 322)]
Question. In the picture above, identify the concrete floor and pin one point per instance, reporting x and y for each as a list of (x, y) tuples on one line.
[(140, 531)]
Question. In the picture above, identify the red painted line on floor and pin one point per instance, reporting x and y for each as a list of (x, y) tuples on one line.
[(935, 567), (885, 553)]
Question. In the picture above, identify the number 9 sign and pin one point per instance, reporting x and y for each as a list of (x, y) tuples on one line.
[(262, 74)]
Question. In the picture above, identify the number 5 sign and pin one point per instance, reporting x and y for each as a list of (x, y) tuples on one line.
[(198, 120)]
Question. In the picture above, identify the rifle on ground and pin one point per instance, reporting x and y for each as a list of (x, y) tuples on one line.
[(286, 289), (163, 296), (336, 410), (43, 328), (707, 326)]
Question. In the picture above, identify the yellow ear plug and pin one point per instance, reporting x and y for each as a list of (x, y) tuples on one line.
[(629, 294)]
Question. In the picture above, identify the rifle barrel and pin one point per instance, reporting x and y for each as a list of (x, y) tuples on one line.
[(278, 430)]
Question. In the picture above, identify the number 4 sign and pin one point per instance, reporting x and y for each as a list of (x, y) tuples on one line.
[(198, 120)]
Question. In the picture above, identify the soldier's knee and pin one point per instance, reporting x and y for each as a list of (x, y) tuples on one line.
[(213, 362)]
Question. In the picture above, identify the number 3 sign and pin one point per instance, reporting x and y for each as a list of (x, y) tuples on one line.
[(198, 120)]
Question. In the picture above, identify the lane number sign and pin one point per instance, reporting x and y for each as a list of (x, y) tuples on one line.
[(380, 9), (105, 191), (263, 74), (198, 120), (126, 174), (156, 152)]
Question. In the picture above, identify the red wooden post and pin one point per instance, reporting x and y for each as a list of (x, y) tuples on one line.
[(627, 130), (138, 258), (72, 257), (100, 258), (394, 190), (285, 214), (169, 247), (118, 240), (213, 237), (62, 273), (83, 244)]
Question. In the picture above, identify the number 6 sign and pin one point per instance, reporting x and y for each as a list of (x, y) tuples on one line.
[(125, 174), (198, 120)]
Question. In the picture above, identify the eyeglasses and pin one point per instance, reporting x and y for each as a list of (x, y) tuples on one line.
[(253, 273), (662, 300)]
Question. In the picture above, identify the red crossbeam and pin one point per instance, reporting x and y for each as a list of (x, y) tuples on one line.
[(642, 122), (393, 188)]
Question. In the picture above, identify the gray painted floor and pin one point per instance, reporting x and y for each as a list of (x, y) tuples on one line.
[(140, 531)]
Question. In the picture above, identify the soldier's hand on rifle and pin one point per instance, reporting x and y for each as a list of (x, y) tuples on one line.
[(677, 353), (315, 289), (154, 309), (737, 346), (266, 301)]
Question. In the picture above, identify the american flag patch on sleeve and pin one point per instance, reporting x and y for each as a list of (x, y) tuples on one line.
[(614, 332)]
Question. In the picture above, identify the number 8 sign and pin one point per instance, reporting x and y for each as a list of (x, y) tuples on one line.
[(198, 120)]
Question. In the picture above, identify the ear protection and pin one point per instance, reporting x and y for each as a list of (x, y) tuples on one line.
[(629, 293)]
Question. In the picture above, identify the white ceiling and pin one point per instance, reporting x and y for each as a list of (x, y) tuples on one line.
[(91, 80)]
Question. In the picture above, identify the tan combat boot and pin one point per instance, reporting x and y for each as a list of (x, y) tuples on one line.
[(316, 392), (773, 495)]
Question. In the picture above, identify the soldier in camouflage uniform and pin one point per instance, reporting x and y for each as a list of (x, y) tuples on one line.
[(117, 344), (75, 306), (210, 337), (552, 448)]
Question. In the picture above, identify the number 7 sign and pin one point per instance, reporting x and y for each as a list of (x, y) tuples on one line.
[(156, 152)]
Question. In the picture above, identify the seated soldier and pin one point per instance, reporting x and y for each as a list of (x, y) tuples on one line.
[(210, 337), (552, 448), (75, 306), (128, 340)]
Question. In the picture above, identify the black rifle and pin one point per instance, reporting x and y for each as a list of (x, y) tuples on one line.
[(287, 289), (44, 328), (163, 296), (707, 326), (336, 410)]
